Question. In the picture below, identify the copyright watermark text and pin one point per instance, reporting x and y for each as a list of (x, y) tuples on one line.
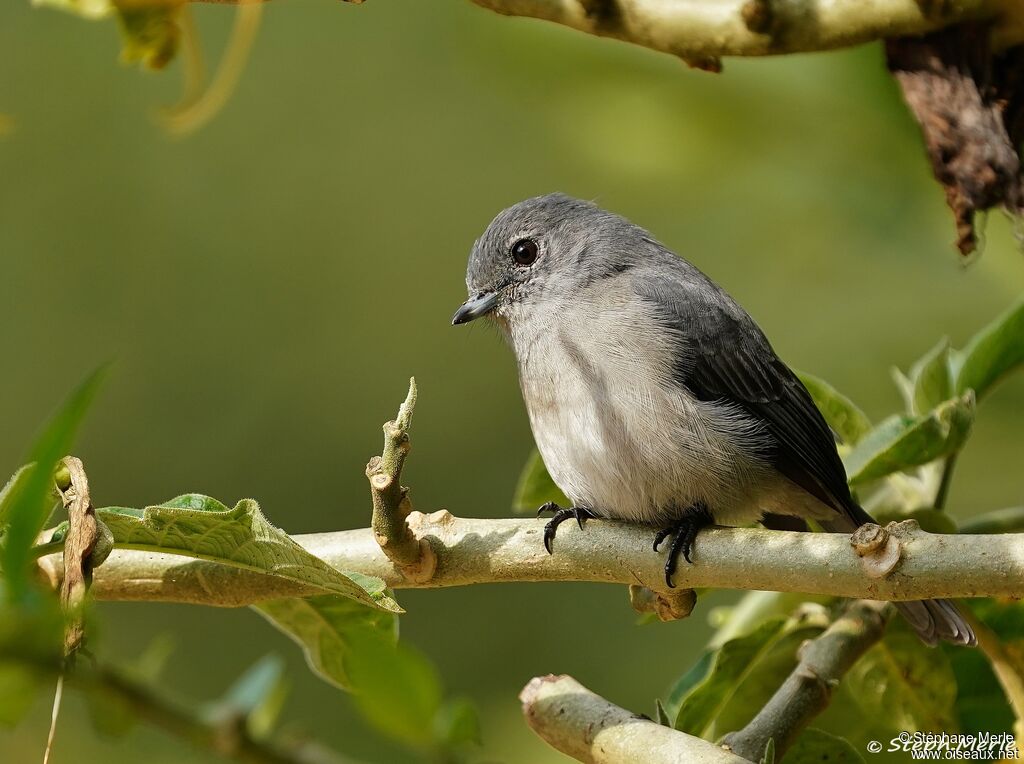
[(942, 746)]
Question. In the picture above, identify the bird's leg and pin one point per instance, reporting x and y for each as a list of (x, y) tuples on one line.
[(561, 515), (695, 518)]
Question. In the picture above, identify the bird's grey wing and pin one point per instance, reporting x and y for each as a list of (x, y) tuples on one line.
[(724, 355)]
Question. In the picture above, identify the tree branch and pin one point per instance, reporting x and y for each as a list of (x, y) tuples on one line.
[(585, 726), (702, 31), (412, 557), (808, 689), (914, 564)]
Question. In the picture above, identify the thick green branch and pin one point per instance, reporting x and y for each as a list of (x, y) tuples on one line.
[(911, 565), (580, 724), (808, 689)]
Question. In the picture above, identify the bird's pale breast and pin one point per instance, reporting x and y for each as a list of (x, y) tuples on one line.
[(618, 433)]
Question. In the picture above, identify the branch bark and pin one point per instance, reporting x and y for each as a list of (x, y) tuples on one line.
[(472, 551), (585, 726), (702, 31), (808, 689)]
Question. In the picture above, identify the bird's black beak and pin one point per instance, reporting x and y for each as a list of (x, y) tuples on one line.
[(476, 306)]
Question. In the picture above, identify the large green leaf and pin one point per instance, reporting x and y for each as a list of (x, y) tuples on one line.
[(931, 379), (743, 674), (843, 416), (396, 688), (991, 353), (198, 526), (981, 702), (535, 487), (903, 684), (326, 627), (28, 499), (816, 746), (899, 443)]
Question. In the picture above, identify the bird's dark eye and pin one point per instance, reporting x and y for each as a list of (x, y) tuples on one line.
[(524, 251)]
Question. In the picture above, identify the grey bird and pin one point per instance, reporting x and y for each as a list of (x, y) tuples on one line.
[(653, 396)]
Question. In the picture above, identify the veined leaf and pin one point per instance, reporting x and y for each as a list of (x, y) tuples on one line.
[(743, 674), (842, 415), (904, 684), (899, 443), (535, 487), (198, 526), (815, 746), (326, 627), (991, 353)]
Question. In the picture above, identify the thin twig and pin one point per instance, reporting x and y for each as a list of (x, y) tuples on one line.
[(808, 689), (391, 505)]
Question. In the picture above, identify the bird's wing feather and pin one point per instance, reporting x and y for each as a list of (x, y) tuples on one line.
[(724, 355)]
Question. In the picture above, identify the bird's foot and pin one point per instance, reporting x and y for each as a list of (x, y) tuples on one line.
[(685, 532), (561, 515)]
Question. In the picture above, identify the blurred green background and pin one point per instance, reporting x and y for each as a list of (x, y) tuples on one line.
[(268, 285)]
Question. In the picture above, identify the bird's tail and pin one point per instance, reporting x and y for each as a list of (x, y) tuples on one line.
[(931, 619)]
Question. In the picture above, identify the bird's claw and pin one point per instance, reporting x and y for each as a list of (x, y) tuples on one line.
[(560, 516), (685, 533)]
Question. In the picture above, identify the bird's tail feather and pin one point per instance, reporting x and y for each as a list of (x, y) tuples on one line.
[(933, 620)]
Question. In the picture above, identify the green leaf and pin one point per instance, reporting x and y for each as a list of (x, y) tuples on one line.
[(535, 487), (815, 746), (899, 443), (930, 520), (326, 626), (456, 723), (685, 684), (19, 686), (1007, 520), (396, 688), (256, 697), (904, 684), (12, 488), (31, 650), (981, 702), (754, 608), (200, 527), (29, 500), (661, 714), (932, 379), (993, 352), (744, 673), (769, 752), (981, 705), (843, 416)]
